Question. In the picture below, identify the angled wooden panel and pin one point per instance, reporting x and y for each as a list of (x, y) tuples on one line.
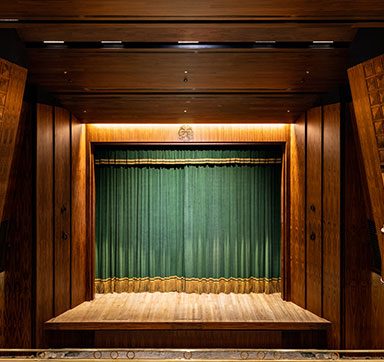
[(331, 222), (367, 85), (12, 83), (19, 213), (314, 210), (188, 108), (78, 219), (210, 9), (44, 219), (62, 198), (297, 211), (111, 70), (173, 32)]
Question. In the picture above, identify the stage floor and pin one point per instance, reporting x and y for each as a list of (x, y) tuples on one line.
[(138, 311)]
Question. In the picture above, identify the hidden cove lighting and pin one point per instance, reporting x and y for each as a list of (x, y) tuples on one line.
[(53, 41)]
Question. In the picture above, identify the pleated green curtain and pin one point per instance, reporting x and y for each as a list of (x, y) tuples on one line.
[(188, 220)]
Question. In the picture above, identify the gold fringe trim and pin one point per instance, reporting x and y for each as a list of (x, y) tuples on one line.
[(188, 161), (188, 285)]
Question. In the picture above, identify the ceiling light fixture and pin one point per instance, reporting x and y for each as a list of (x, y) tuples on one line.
[(53, 41), (188, 42)]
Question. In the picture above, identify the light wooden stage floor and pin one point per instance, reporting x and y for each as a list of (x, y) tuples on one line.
[(180, 320), (125, 311)]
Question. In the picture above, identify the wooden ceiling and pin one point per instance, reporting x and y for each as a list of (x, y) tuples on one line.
[(150, 78)]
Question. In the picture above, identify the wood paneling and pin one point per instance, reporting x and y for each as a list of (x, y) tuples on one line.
[(12, 83), (173, 32), (18, 210), (109, 70), (148, 85), (78, 217), (44, 219), (314, 211), (62, 211), (218, 108), (201, 133), (331, 222), (363, 292), (297, 214), (367, 86), (211, 9)]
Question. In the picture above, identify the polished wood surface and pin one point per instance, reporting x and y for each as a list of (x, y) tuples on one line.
[(363, 292), (202, 133), (211, 9), (314, 236), (139, 31), (331, 218), (12, 83), (366, 82), (78, 215), (62, 211), (298, 222), (188, 108), (150, 85), (16, 290), (124, 311), (44, 218)]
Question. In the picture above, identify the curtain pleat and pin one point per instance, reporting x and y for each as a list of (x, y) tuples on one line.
[(192, 227)]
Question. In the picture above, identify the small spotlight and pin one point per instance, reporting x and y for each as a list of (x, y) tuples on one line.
[(307, 72), (288, 111), (185, 111), (185, 71), (84, 111)]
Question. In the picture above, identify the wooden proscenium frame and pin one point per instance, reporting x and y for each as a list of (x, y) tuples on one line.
[(208, 135)]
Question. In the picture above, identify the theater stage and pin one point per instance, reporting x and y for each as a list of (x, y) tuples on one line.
[(181, 320)]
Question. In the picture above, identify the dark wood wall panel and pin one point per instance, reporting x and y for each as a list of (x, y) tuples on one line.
[(19, 243), (314, 211), (331, 221), (363, 291), (297, 215), (44, 219), (62, 211), (367, 85), (78, 218), (12, 83)]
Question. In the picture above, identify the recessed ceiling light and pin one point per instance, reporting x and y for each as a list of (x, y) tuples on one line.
[(111, 42), (188, 42), (288, 111), (53, 41), (322, 42), (185, 111)]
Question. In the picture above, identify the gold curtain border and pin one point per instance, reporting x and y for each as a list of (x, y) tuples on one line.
[(188, 285), (188, 161)]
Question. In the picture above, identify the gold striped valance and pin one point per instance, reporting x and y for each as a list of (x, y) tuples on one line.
[(188, 161), (188, 285)]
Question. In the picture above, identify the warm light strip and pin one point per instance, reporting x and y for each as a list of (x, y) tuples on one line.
[(194, 125)]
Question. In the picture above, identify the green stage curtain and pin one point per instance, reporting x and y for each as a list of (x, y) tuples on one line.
[(188, 220)]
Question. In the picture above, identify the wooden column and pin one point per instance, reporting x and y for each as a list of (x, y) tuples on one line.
[(331, 222), (297, 214), (314, 211)]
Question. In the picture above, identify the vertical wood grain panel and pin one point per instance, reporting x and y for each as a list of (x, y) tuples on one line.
[(367, 85), (18, 210), (331, 221), (79, 261), (62, 244), (297, 197), (44, 219), (314, 211)]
